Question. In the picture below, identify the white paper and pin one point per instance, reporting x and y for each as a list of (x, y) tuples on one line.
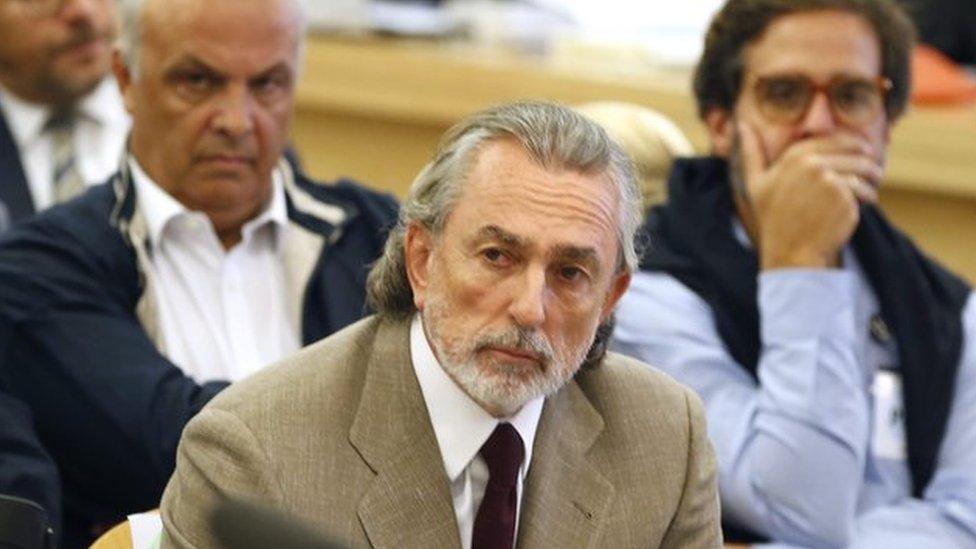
[(146, 530), (888, 438)]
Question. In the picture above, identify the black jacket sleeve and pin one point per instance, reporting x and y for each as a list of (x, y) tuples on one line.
[(107, 405), (26, 469)]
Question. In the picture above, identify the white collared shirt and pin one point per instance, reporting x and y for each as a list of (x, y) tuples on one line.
[(99, 137), (462, 427), (224, 314)]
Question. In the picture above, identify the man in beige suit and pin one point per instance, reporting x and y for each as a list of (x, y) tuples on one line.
[(479, 408)]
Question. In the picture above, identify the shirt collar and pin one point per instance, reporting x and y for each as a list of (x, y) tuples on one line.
[(104, 105), (460, 424), (159, 208), (275, 214), (26, 120)]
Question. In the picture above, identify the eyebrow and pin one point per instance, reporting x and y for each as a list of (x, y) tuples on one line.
[(565, 252), (577, 253), (190, 62), (800, 74), (279, 67), (494, 232)]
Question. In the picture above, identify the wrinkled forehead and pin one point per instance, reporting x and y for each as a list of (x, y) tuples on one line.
[(240, 34), (549, 205)]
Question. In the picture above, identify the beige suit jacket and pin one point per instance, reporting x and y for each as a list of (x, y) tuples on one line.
[(340, 437)]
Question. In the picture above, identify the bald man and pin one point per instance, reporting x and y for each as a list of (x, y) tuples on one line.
[(205, 258)]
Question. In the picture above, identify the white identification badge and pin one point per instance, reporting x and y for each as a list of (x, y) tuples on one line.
[(888, 439)]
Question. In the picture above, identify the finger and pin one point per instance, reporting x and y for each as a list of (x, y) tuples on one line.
[(837, 143), (862, 190), (862, 166), (865, 192), (753, 157)]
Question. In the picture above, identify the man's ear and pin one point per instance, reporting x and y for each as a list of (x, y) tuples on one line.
[(618, 287), (418, 251), (721, 127), (124, 79)]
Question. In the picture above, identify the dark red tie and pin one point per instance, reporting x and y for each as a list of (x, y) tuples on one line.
[(494, 527)]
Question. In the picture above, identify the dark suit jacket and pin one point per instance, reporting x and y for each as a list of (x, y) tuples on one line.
[(26, 470), (339, 435), (15, 198), (78, 334)]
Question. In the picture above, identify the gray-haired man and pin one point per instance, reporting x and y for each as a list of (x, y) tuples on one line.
[(205, 258), (478, 407)]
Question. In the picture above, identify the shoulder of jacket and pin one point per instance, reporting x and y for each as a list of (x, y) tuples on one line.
[(632, 381), (333, 360)]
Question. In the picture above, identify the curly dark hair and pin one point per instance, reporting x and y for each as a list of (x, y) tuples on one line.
[(718, 76)]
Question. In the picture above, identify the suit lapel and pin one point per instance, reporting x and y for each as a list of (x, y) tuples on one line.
[(409, 502), (567, 499), (15, 194)]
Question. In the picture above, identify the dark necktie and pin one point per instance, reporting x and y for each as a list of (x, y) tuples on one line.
[(494, 527)]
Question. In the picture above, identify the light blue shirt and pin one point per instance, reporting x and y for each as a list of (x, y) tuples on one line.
[(812, 455)]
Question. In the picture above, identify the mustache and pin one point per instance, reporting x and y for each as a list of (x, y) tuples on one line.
[(218, 143), (521, 339), (241, 148), (84, 33)]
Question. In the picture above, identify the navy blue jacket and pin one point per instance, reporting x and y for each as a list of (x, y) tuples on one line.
[(107, 405), (26, 470), (15, 198)]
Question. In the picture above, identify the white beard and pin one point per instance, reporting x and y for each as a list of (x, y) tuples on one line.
[(492, 383)]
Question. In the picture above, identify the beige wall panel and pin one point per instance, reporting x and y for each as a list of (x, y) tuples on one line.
[(374, 110), (943, 227), (384, 154)]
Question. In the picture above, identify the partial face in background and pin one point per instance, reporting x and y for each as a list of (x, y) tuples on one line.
[(54, 52), (212, 98), (836, 51), (523, 272)]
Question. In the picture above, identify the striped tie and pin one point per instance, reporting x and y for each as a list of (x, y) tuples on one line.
[(65, 176)]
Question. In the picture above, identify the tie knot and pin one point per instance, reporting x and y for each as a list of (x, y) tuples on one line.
[(503, 453), (60, 121)]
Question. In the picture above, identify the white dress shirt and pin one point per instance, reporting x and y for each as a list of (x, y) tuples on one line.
[(99, 137), (223, 313), (462, 427)]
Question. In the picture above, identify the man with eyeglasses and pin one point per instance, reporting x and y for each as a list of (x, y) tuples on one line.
[(62, 123), (835, 360)]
